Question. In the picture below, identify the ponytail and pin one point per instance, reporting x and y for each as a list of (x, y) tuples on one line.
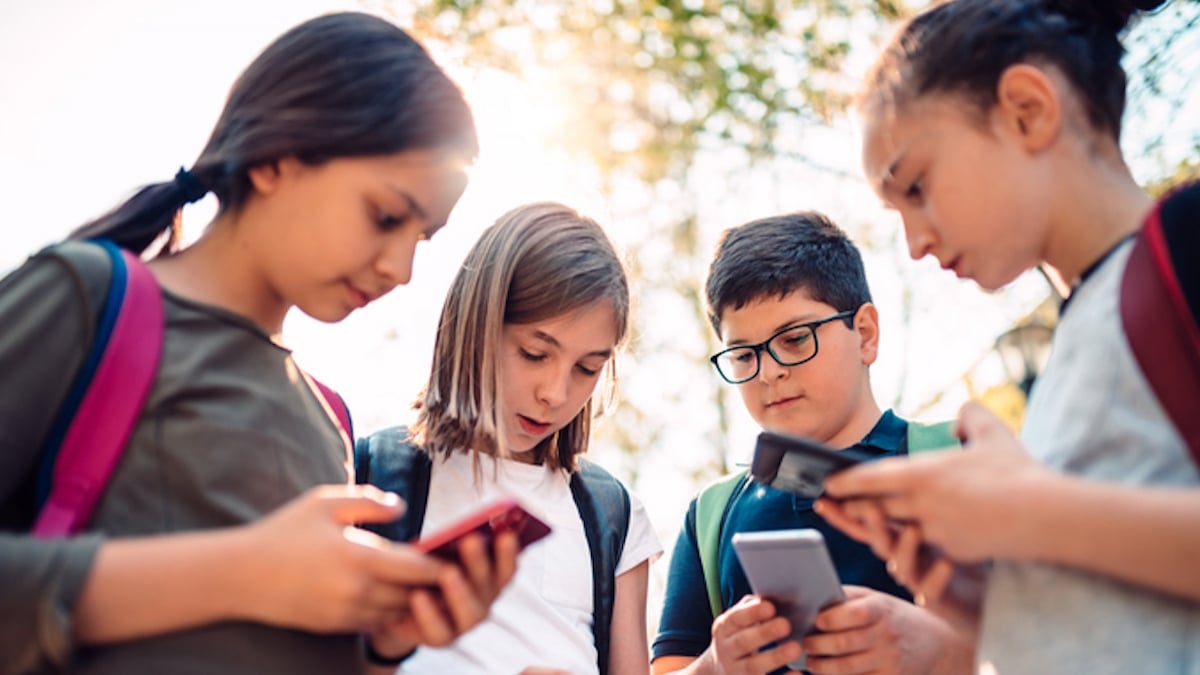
[(147, 215)]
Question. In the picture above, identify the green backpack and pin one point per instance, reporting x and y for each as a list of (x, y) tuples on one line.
[(713, 502)]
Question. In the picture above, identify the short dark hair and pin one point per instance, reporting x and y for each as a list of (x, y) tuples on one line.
[(341, 85), (780, 255), (962, 47)]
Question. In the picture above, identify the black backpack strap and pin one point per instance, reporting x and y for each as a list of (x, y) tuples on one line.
[(387, 460), (604, 507), (1160, 306)]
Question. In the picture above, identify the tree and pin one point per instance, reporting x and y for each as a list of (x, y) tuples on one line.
[(658, 89)]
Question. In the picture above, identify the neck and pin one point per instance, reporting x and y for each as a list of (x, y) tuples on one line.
[(864, 419), (220, 270), (1100, 204)]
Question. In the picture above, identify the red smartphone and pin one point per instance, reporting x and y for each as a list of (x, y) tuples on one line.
[(502, 516)]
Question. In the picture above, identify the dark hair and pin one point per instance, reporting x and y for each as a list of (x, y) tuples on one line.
[(340, 85), (964, 46), (776, 256), (537, 262)]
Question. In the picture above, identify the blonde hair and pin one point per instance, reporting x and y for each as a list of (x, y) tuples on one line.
[(537, 262)]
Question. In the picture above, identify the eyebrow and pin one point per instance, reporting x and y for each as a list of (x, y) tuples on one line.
[(889, 174), (551, 340), (786, 324)]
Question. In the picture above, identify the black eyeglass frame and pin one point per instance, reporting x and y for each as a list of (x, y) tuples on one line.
[(765, 345)]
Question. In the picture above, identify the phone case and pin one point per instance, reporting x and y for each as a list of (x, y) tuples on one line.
[(796, 464), (792, 569), (502, 516)]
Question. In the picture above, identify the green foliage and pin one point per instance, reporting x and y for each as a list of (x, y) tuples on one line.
[(653, 82)]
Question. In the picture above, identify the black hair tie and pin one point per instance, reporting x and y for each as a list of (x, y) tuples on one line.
[(190, 187)]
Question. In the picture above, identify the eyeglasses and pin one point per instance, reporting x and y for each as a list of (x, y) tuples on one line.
[(789, 347)]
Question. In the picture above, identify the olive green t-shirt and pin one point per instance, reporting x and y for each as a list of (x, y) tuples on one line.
[(230, 431)]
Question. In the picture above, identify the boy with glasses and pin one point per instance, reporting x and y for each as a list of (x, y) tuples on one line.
[(788, 297)]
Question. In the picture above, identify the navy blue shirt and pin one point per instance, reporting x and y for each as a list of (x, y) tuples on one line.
[(686, 624)]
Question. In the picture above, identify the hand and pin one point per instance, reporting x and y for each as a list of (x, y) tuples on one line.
[(872, 632), (307, 567), (462, 599), (544, 670), (960, 502), (739, 633)]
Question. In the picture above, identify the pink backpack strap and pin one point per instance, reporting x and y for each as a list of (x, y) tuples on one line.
[(1161, 331), (109, 409), (337, 406)]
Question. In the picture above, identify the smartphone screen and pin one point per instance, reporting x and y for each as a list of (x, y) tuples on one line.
[(502, 516), (792, 569), (798, 465)]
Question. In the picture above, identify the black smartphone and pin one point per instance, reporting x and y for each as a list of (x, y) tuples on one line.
[(797, 464)]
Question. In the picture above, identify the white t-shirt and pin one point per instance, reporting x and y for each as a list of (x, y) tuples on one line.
[(544, 616), (1093, 414)]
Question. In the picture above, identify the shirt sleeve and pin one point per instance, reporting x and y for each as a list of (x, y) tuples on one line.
[(46, 311), (641, 541), (686, 623)]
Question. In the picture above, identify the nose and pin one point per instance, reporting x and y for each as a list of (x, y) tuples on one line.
[(919, 235), (395, 261), (552, 390), (769, 369)]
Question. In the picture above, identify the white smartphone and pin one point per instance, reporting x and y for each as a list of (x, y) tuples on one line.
[(792, 569)]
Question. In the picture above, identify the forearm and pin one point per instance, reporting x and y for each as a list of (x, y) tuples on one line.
[(1143, 535), (153, 585)]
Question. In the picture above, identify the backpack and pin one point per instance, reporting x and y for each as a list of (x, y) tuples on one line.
[(104, 402), (1159, 306), (387, 460), (712, 504)]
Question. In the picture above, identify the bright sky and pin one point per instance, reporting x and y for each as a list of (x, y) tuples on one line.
[(101, 97)]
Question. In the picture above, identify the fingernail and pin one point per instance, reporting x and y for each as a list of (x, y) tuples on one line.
[(919, 598), (891, 566), (391, 499)]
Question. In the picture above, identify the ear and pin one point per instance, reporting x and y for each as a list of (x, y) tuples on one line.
[(264, 177), (1029, 105), (866, 324)]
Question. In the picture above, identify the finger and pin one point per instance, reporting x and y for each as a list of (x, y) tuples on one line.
[(465, 607), (932, 586), (431, 622), (773, 659), (840, 514), (861, 608), (838, 643), (505, 549), (891, 475), (388, 599), (858, 663), (348, 504), (898, 508), (475, 558), (904, 564), (395, 563), (976, 423)]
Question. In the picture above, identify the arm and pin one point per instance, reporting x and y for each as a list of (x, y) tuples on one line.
[(629, 651), (350, 578), (963, 504)]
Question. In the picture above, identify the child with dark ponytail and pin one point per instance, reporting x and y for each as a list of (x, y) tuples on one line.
[(223, 541), (993, 128)]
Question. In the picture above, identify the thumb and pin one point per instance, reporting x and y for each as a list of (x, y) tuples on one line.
[(350, 504), (977, 423)]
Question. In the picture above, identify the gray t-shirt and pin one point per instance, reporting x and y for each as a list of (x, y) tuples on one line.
[(1093, 414), (230, 431)]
